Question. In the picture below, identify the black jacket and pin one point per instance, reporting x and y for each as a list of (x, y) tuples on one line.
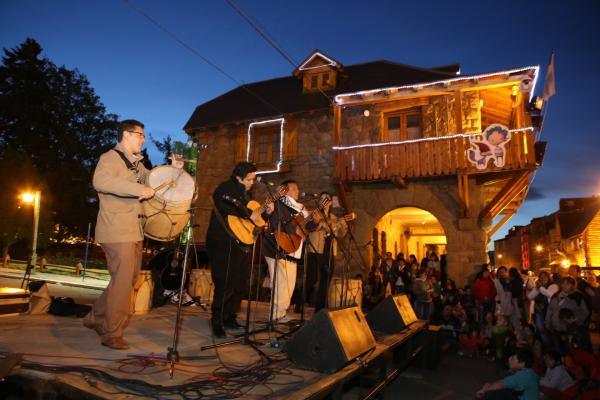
[(231, 189)]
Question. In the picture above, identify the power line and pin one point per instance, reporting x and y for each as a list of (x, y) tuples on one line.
[(263, 33), (197, 54), (270, 40)]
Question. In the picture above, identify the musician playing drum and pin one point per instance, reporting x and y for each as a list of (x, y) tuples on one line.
[(120, 180), (229, 259)]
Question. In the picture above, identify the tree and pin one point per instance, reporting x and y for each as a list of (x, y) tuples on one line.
[(52, 116)]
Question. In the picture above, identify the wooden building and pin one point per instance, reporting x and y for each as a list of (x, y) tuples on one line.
[(568, 236), (387, 138)]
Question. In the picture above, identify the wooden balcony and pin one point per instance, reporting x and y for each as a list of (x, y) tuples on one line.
[(427, 158)]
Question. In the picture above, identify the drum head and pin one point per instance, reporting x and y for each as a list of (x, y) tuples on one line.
[(181, 190)]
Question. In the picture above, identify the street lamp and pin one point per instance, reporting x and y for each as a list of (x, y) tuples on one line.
[(33, 198)]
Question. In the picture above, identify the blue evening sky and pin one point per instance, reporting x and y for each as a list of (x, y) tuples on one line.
[(140, 72)]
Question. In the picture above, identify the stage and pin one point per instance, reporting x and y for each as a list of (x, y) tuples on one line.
[(62, 356)]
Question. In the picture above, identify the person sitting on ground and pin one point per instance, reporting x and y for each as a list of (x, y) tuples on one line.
[(449, 329), (556, 384), (471, 342), (500, 337), (523, 384)]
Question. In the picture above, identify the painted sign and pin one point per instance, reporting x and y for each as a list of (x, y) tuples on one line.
[(490, 148)]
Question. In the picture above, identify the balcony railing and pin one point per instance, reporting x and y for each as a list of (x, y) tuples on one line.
[(427, 158)]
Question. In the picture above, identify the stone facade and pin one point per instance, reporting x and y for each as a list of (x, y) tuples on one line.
[(439, 116), (471, 111), (312, 167)]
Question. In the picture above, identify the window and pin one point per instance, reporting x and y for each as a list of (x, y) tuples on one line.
[(314, 81), (404, 125), (266, 145), (325, 80)]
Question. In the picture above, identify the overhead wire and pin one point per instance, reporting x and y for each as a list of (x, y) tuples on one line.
[(195, 52), (256, 26)]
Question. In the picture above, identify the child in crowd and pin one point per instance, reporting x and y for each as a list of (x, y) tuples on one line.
[(422, 291), (467, 299), (577, 334), (500, 337), (556, 382), (486, 332), (523, 384), (471, 342)]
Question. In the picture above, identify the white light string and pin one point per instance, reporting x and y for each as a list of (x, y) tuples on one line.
[(339, 98), (465, 135), (331, 62), (281, 122)]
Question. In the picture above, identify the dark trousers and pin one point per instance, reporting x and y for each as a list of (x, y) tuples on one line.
[(325, 275), (313, 261), (229, 272)]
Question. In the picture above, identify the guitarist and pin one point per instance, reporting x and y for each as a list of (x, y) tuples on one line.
[(322, 253), (282, 219), (228, 260)]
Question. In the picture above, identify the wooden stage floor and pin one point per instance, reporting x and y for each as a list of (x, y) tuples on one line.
[(73, 361)]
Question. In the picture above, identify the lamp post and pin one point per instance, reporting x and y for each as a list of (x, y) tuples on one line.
[(34, 198)]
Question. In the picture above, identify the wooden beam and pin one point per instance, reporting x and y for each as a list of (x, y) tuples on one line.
[(506, 195), (337, 125), (458, 110), (500, 223), (463, 195), (399, 182)]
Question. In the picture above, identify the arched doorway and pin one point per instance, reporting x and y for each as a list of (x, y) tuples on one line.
[(410, 230)]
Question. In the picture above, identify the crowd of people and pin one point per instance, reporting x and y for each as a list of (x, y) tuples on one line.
[(536, 328)]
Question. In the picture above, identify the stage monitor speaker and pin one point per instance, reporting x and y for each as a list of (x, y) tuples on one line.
[(392, 315), (330, 340)]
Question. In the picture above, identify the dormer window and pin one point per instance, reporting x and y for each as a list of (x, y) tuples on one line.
[(318, 72)]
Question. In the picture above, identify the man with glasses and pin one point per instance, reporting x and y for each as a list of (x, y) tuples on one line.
[(120, 180)]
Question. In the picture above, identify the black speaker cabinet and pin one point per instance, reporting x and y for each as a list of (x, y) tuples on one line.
[(392, 315), (330, 340)]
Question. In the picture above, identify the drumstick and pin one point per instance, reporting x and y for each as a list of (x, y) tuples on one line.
[(165, 184)]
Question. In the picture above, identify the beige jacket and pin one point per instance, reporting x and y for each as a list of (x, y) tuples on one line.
[(119, 216)]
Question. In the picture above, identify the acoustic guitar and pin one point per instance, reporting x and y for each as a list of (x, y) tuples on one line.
[(290, 242), (243, 228)]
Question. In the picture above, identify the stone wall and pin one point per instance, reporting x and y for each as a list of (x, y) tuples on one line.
[(312, 166), (471, 112), (439, 116)]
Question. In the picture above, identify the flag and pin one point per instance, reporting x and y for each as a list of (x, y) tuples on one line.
[(550, 82)]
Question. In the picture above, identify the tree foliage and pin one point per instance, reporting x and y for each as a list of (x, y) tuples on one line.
[(51, 117)]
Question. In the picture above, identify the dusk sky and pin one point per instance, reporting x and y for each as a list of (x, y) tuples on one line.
[(140, 72)]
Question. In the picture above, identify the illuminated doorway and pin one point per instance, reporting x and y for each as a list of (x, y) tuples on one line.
[(409, 230)]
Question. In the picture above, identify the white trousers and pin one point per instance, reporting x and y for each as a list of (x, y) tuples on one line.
[(284, 287)]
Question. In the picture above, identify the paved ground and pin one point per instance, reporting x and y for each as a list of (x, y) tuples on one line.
[(456, 377)]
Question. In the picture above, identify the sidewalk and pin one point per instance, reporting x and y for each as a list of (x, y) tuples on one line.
[(67, 280)]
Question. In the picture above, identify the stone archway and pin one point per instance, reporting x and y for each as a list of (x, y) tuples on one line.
[(411, 230), (466, 240)]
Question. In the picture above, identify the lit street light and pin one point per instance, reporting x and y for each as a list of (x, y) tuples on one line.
[(34, 198)]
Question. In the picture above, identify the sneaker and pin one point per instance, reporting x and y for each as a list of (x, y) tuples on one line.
[(232, 324), (283, 320)]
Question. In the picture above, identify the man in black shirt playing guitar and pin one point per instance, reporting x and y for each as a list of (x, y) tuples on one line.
[(229, 257)]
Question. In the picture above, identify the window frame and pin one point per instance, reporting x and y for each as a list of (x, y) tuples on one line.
[(271, 133), (403, 114)]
